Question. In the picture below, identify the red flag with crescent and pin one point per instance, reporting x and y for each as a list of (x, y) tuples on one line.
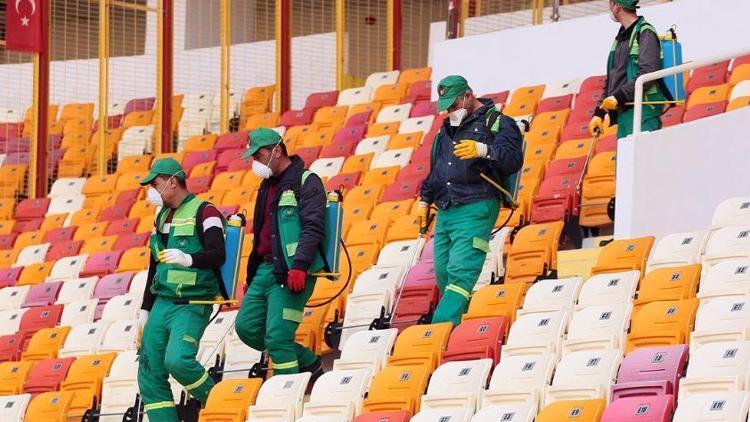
[(23, 25)]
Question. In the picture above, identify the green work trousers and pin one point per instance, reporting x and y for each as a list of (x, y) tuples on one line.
[(461, 244), (650, 120), (268, 320), (169, 346)]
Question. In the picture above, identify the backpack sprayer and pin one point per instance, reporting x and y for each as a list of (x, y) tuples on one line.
[(671, 57)]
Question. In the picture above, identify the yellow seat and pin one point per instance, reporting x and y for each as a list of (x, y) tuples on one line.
[(574, 149), (84, 216), (99, 185), (331, 117), (576, 262), (198, 143), (397, 388), (409, 76), (239, 196), (392, 209), (13, 376), (227, 180), (669, 283), (403, 228), (138, 118), (229, 399), (405, 140), (84, 380), (357, 163), (573, 410), (35, 273), (662, 323), (90, 231), (50, 407), (709, 94), (134, 260), (268, 120), (257, 100), (381, 129), (203, 169), (45, 344), (380, 176), (598, 190), (624, 255), (316, 138), (367, 231), (496, 300), (738, 103), (541, 135), (390, 94), (421, 345), (310, 330), (533, 253)]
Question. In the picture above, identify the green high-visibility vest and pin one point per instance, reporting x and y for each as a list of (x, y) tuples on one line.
[(290, 227)]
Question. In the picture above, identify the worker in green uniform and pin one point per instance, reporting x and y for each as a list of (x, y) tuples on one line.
[(475, 140), (187, 250), (635, 51), (289, 228)]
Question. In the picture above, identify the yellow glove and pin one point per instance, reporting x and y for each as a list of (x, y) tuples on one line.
[(423, 208), (609, 103), (596, 126), (467, 150)]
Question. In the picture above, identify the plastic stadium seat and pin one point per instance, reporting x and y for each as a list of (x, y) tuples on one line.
[(496, 300), (726, 278), (729, 242), (609, 288), (280, 398), (35, 273), (50, 406), (84, 339), (120, 387), (672, 116), (701, 111), (13, 297), (99, 244), (29, 209), (497, 97), (598, 327), (708, 75), (317, 100), (457, 385), (584, 375), (389, 94), (397, 388), (393, 113), (581, 410), (327, 167), (401, 190), (13, 375), (476, 339), (536, 333), (354, 96), (366, 350), (84, 380), (624, 254), (405, 140), (340, 149), (556, 103), (391, 209), (534, 252), (42, 294), (33, 254), (519, 378), (650, 371), (662, 323), (121, 307), (380, 176), (7, 240), (727, 406), (338, 394), (101, 264), (397, 416), (12, 345), (129, 241), (731, 211), (420, 345), (551, 295), (656, 408), (229, 400), (62, 234), (76, 290), (678, 249), (709, 94), (669, 283), (238, 357), (67, 187), (520, 108), (79, 312), (10, 321), (721, 319), (110, 286), (45, 343), (422, 108), (717, 367), (738, 103), (9, 276)]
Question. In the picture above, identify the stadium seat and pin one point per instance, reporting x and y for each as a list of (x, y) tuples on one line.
[(13, 407), (678, 249), (373, 144), (715, 368), (84, 339), (728, 242), (624, 255), (496, 300), (662, 323), (357, 163), (552, 294), (669, 283), (79, 312), (51, 406), (70, 186), (397, 388), (389, 94), (337, 395), (62, 249), (110, 286), (556, 103), (9, 276), (721, 319), (327, 167), (461, 414), (366, 350), (280, 398), (584, 375), (45, 343), (457, 385), (534, 252), (33, 254), (656, 408), (731, 211), (420, 345), (728, 406), (354, 96), (651, 371), (66, 268), (536, 333), (13, 297), (738, 103), (101, 264), (709, 94), (238, 358), (120, 387), (13, 375), (10, 321), (212, 343), (708, 75), (581, 410), (230, 399), (598, 327), (726, 278), (47, 375), (476, 339), (597, 190), (84, 380), (701, 111), (520, 379), (35, 273), (42, 294), (393, 113), (397, 416)]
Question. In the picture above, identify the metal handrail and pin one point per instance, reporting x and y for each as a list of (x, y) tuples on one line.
[(638, 104)]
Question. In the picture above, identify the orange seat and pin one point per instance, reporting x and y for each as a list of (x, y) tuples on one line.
[(45, 344), (534, 252), (142, 208), (392, 209), (534, 92), (138, 118), (405, 140), (268, 120), (239, 196), (662, 323), (316, 138), (98, 244), (84, 380), (51, 406), (573, 410), (198, 143), (709, 94), (203, 169), (397, 388), (90, 230), (551, 119), (391, 94), (131, 164), (380, 129), (213, 196), (357, 163), (54, 221), (35, 273), (409, 76), (624, 255), (227, 180), (598, 189), (13, 375), (129, 181), (520, 108), (574, 149), (496, 300), (668, 283), (229, 400), (421, 345), (84, 216), (367, 231), (738, 103), (403, 228), (331, 117), (134, 260), (380, 176), (99, 185)]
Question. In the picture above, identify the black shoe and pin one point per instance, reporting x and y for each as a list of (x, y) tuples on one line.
[(315, 369)]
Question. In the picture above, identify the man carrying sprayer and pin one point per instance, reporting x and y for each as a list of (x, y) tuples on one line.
[(635, 51), (288, 228), (475, 141), (187, 250)]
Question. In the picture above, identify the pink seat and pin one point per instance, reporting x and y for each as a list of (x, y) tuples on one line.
[(308, 154), (10, 347), (139, 104), (588, 98), (568, 166), (132, 240), (123, 226), (30, 209), (415, 171), (194, 158), (419, 91), (350, 134), (35, 319), (606, 144), (226, 157), (64, 249), (127, 198), (101, 264), (651, 371), (673, 116), (421, 274), (110, 286), (424, 108), (399, 416), (42, 294), (477, 339), (557, 199), (297, 117), (645, 409), (61, 234), (317, 100), (701, 111), (231, 140), (415, 302), (575, 130), (9, 276), (359, 119), (115, 213), (199, 185)]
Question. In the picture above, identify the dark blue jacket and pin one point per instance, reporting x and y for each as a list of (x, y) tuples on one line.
[(453, 181)]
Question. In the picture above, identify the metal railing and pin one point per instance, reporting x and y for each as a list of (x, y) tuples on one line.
[(685, 67)]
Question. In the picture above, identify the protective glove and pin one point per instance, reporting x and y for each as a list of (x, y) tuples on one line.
[(423, 208), (609, 103), (596, 125), (142, 317), (468, 149), (296, 280), (175, 256)]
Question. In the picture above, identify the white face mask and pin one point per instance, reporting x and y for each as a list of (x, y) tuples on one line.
[(263, 170), (457, 116), (154, 196)]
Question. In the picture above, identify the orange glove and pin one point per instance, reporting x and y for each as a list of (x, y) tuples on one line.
[(296, 280)]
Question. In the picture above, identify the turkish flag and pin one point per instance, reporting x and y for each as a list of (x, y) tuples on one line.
[(23, 25)]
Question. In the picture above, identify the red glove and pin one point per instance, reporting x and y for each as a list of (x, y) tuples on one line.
[(296, 280)]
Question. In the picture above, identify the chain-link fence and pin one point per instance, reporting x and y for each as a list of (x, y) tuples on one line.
[(365, 40)]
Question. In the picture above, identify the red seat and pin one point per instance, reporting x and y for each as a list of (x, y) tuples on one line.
[(704, 110), (240, 165), (9, 276), (101, 264), (297, 117), (8, 240), (27, 225), (651, 371), (593, 83), (419, 91), (575, 130), (568, 166), (194, 158), (400, 190), (424, 108), (339, 149), (400, 416), (132, 240), (139, 104), (359, 119), (498, 97), (34, 320), (673, 116), (606, 144), (11, 130), (582, 114), (414, 171), (64, 249), (350, 133), (115, 213), (477, 339), (30, 209), (647, 409), (46, 375), (231, 140), (555, 103), (226, 157), (61, 234), (347, 181), (110, 286), (308, 154), (42, 294), (127, 198), (714, 74), (198, 185), (557, 199), (120, 227), (10, 347), (415, 302), (317, 100)]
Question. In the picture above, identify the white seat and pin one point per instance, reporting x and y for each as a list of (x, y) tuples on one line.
[(33, 254), (376, 79), (728, 242), (352, 96), (212, 342), (75, 290), (457, 385), (399, 253), (13, 297), (13, 408), (537, 333), (601, 289), (550, 295), (279, 398), (138, 284), (584, 375), (416, 124), (117, 107), (722, 319), (394, 113), (495, 257), (366, 350), (10, 321), (740, 90), (238, 357), (120, 386), (678, 249), (716, 368), (723, 407), (67, 204), (338, 394), (84, 339), (520, 380), (11, 115), (598, 327), (121, 307), (373, 144), (726, 278), (79, 312), (461, 414), (122, 335), (67, 186), (560, 88), (392, 157), (511, 412), (136, 140), (68, 267), (327, 167)]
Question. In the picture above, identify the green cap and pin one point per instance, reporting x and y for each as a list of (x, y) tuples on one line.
[(450, 88), (166, 167), (628, 4), (259, 138)]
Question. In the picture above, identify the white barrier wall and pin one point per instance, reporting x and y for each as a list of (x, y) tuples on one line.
[(578, 48), (671, 180)]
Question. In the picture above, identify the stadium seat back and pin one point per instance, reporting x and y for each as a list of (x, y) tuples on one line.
[(476, 339), (669, 283), (496, 300), (725, 406), (536, 333), (623, 255), (657, 408), (50, 406), (649, 371), (397, 388), (582, 410), (420, 345), (662, 323), (230, 399)]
